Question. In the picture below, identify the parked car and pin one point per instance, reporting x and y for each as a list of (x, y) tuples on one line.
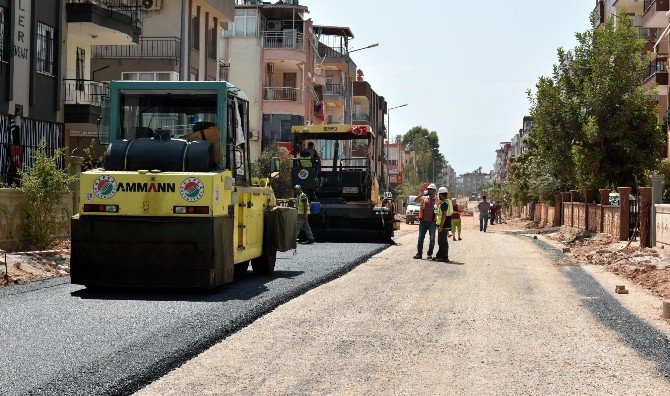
[(411, 210)]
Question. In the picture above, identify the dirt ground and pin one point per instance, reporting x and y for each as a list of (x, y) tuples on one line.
[(25, 267), (649, 268)]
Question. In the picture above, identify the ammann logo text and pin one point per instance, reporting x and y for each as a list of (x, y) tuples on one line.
[(147, 187)]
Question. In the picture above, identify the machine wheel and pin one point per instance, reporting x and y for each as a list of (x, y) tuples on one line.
[(412, 223), (240, 270), (406, 221), (265, 264)]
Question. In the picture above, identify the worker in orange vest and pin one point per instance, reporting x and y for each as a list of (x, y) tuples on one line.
[(427, 220)]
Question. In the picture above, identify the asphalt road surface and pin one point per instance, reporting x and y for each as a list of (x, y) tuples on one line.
[(60, 339), (502, 319)]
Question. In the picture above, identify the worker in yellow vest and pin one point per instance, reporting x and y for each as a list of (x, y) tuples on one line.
[(444, 212), (302, 204)]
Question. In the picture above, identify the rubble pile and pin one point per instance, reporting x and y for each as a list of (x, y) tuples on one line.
[(649, 268), (25, 267)]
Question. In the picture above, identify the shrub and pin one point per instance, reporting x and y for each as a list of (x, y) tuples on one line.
[(43, 186)]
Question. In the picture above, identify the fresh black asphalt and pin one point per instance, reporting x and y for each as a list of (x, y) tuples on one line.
[(60, 339)]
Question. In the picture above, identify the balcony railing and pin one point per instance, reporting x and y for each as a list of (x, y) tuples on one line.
[(131, 8), (662, 5), (84, 92), (656, 66), (647, 4), (332, 89), (284, 40), (283, 93), (148, 47)]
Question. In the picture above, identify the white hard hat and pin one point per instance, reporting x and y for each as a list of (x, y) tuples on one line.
[(443, 190), (432, 186)]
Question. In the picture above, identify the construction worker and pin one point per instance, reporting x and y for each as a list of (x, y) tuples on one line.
[(444, 213), (427, 219), (302, 204)]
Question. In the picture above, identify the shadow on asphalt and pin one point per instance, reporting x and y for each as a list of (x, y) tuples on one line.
[(245, 288), (648, 342)]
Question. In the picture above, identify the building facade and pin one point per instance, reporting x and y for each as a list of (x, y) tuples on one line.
[(32, 68), (270, 53), (473, 181), (369, 108)]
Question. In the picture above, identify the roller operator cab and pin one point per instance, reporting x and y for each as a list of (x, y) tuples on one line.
[(174, 204), (337, 172)]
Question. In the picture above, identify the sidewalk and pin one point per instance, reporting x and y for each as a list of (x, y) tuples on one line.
[(501, 320)]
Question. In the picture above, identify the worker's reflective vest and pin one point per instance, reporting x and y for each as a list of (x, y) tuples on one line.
[(306, 162), (436, 209), (449, 212), (301, 205)]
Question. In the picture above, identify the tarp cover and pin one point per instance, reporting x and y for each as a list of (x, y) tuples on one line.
[(283, 222)]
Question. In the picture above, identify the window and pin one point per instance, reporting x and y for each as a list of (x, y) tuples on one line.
[(150, 76), (211, 50), (3, 27), (79, 65), (246, 24), (45, 49), (195, 32)]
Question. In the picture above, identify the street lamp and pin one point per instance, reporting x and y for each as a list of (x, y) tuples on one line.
[(369, 46), (388, 142)]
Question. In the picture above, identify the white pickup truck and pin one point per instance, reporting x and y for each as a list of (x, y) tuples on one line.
[(411, 210)]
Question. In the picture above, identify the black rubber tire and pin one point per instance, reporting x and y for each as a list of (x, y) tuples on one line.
[(406, 221), (240, 270), (265, 264)]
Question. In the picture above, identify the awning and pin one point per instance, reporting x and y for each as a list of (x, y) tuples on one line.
[(333, 132)]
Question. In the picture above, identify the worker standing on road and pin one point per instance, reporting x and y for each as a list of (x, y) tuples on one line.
[(302, 204), (444, 220), (484, 207), (427, 220), (456, 220)]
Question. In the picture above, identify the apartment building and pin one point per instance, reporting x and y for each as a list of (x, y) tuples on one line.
[(370, 109), (473, 181), (651, 19), (396, 163), (501, 165), (270, 52), (31, 76), (448, 177), (91, 23)]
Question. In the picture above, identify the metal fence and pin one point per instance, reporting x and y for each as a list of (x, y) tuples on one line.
[(283, 93), (289, 39), (131, 8), (19, 145), (84, 91)]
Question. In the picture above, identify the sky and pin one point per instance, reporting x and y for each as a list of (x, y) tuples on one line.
[(463, 67)]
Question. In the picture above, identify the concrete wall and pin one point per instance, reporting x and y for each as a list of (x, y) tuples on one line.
[(663, 224), (13, 217)]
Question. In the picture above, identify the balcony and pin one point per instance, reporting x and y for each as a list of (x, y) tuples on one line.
[(332, 90), (283, 93), (360, 117), (83, 100), (148, 47), (288, 45), (654, 13), (657, 73), (105, 19)]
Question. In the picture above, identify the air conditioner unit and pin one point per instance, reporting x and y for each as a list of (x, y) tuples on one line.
[(273, 26), (271, 68), (152, 5)]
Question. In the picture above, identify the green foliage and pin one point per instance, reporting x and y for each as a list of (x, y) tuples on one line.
[(411, 183), (427, 146), (43, 186), (595, 126), (496, 191), (261, 168), (91, 160)]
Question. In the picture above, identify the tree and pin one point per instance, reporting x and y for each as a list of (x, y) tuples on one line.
[(595, 125), (261, 168), (426, 143)]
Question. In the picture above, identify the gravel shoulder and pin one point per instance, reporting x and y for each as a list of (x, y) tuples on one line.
[(502, 320)]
